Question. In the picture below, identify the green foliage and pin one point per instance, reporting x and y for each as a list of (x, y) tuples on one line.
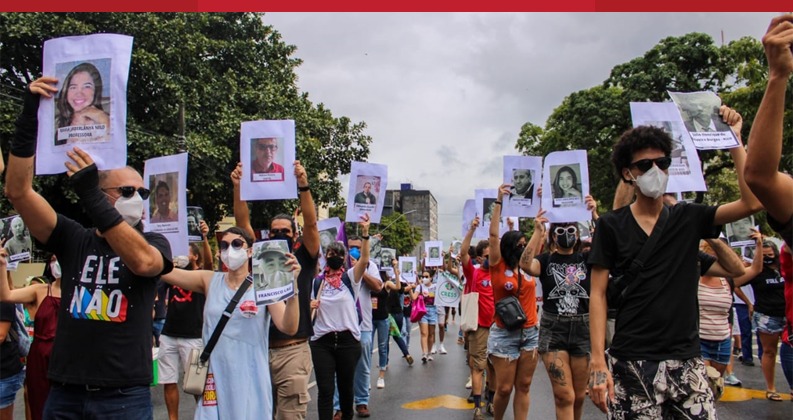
[(225, 68), (593, 119), (397, 233)]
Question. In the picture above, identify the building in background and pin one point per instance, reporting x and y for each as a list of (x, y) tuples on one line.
[(420, 209)]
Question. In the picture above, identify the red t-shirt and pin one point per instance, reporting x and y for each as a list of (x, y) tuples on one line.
[(505, 283), (481, 279)]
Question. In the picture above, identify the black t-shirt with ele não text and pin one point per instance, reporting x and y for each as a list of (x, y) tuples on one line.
[(769, 293), (565, 283), (659, 315), (104, 328)]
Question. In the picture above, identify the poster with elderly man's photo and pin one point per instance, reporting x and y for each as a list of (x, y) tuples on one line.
[(165, 211), (267, 153), (89, 109), (16, 239), (272, 279), (522, 174), (407, 269), (366, 193), (434, 253), (700, 114)]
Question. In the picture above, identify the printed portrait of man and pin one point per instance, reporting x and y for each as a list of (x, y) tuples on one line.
[(162, 204), (522, 184), (366, 196), (270, 271), (264, 153)]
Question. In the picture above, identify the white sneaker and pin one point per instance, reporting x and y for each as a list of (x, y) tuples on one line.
[(442, 349), (468, 384), (380, 383), (434, 349), (430, 358)]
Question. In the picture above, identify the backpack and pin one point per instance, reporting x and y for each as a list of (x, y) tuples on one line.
[(19, 333), (345, 279)]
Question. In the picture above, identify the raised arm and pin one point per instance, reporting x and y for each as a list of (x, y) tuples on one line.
[(466, 245), (624, 195), (242, 215), (310, 230), (748, 203), (36, 212), (728, 263), (194, 280), (206, 250), (495, 218), (757, 262), (363, 263), (772, 188), (528, 263), (27, 294)]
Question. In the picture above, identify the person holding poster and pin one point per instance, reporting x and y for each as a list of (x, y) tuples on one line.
[(290, 354), (114, 262), (643, 345), (238, 393), (79, 103)]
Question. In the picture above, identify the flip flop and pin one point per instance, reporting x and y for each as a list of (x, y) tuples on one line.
[(772, 396)]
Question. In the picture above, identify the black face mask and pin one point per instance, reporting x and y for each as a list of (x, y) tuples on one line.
[(335, 262), (769, 260), (283, 237), (566, 241)]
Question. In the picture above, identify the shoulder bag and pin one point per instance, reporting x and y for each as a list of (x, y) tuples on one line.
[(195, 375), (469, 308), (618, 285), (419, 309), (509, 309)]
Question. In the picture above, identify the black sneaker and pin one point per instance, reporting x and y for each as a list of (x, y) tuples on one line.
[(471, 397), (747, 362)]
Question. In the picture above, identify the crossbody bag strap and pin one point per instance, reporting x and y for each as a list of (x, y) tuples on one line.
[(224, 319)]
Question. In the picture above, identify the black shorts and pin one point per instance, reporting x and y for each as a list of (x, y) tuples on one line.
[(564, 332)]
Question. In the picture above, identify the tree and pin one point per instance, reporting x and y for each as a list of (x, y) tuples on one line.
[(397, 232), (225, 68)]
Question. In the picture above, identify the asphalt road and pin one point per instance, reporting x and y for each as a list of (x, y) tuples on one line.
[(437, 390)]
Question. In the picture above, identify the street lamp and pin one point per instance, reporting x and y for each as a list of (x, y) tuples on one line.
[(395, 220)]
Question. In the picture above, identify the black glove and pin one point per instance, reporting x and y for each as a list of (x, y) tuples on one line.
[(94, 202), (24, 142)]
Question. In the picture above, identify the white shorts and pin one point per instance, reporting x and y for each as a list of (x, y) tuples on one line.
[(173, 357)]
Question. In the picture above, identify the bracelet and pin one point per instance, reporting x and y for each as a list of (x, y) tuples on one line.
[(497, 202), (304, 189), (366, 238)]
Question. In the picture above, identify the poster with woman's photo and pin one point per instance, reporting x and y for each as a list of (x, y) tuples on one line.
[(407, 269), (565, 183), (739, 232), (522, 173), (195, 215), (700, 114), (89, 109), (165, 210), (685, 173), (267, 153), (434, 251), (272, 280), (368, 183), (17, 238)]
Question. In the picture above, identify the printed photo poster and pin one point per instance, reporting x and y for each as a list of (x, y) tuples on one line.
[(267, 153), (407, 269), (469, 213), (700, 114), (195, 215), (565, 182), (738, 232), (448, 291), (434, 251), (522, 172), (272, 280), (685, 173), (166, 210), (17, 239), (90, 107), (328, 232), (457, 248), (387, 256), (368, 182), (485, 204)]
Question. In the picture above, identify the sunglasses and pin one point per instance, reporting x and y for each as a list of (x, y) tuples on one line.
[(284, 231), (562, 230), (236, 244), (644, 165), (128, 192)]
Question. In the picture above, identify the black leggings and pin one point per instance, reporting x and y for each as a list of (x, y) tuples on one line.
[(335, 356)]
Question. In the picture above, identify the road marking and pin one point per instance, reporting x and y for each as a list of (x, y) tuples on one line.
[(442, 401), (736, 394)]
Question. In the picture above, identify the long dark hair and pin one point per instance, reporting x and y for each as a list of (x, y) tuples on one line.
[(508, 245), (65, 111), (557, 191)]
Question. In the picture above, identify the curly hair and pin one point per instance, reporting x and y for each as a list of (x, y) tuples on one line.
[(636, 139)]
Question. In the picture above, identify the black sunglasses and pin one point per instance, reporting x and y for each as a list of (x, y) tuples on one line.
[(644, 165), (128, 192), (562, 230), (425, 277), (236, 244), (284, 231)]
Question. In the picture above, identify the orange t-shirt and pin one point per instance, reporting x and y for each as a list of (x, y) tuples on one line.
[(505, 283)]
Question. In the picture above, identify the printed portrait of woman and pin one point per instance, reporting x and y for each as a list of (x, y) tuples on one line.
[(565, 185), (79, 104)]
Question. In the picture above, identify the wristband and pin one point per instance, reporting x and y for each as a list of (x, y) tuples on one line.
[(304, 189), (366, 238), (497, 202), (24, 143), (94, 202)]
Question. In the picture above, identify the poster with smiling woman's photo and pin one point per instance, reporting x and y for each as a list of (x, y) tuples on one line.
[(368, 182), (267, 153), (522, 174), (89, 109), (565, 183), (165, 211)]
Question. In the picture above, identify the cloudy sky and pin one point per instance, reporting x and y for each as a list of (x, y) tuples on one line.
[(444, 95)]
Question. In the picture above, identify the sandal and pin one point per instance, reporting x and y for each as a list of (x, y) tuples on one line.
[(772, 396)]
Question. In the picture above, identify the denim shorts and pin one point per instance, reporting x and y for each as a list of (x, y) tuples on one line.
[(768, 324), (431, 316), (508, 344), (9, 388), (716, 351), (564, 332)]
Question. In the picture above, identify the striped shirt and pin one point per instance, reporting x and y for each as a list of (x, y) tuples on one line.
[(714, 308)]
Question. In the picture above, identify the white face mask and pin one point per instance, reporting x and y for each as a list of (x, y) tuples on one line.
[(55, 269), (234, 258), (652, 183), (131, 209)]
